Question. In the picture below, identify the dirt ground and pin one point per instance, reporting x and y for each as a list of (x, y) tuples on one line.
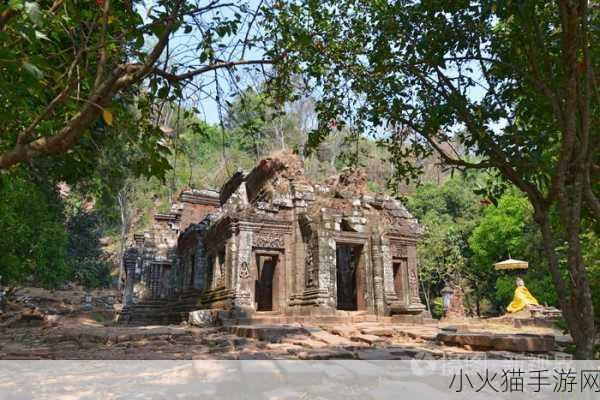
[(61, 326)]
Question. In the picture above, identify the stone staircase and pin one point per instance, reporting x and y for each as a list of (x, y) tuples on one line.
[(275, 318), (166, 311), (177, 309)]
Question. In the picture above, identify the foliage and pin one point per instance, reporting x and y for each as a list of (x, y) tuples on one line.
[(448, 212), (508, 230), (71, 66), (33, 239), (437, 311), (512, 82), (84, 250)]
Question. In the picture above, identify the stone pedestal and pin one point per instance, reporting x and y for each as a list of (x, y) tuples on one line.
[(203, 317), (456, 308)]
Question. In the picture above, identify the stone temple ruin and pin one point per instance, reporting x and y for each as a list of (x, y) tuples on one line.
[(272, 243)]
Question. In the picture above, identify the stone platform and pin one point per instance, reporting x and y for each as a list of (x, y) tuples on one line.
[(521, 343), (366, 340), (226, 318)]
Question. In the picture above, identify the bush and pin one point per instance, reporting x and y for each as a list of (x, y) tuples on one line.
[(437, 309), (33, 238), (93, 273), (85, 254)]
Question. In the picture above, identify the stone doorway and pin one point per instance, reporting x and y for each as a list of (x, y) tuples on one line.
[(266, 285), (349, 277), (400, 269)]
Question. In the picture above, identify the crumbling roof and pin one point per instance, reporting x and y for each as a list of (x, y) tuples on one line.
[(232, 184), (273, 173), (352, 181), (346, 192), (195, 196)]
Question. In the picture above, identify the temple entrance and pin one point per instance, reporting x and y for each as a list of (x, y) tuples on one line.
[(349, 271), (266, 285), (400, 268)]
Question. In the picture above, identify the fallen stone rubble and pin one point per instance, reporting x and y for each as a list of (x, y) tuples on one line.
[(358, 341)]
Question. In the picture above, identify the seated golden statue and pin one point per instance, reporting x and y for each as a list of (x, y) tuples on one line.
[(522, 298)]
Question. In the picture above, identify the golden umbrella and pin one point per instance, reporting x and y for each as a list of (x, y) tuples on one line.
[(511, 264)]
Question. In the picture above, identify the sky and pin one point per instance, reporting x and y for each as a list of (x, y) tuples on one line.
[(201, 92)]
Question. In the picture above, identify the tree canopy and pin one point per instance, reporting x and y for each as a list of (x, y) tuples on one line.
[(69, 66), (512, 82)]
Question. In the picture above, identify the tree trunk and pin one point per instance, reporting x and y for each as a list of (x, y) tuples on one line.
[(426, 296), (582, 308), (575, 300), (122, 199)]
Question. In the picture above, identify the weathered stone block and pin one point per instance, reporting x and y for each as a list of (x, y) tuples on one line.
[(369, 339), (521, 343), (203, 317), (378, 331)]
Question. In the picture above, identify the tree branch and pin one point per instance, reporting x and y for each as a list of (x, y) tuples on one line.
[(222, 64), (5, 16), (120, 77), (590, 197)]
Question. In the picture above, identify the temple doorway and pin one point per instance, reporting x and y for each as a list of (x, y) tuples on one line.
[(349, 277), (400, 269), (266, 284)]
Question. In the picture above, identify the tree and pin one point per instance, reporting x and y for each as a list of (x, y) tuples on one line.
[(33, 240), (512, 81), (449, 212), (67, 64), (508, 230)]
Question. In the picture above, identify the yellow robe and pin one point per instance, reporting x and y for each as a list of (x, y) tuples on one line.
[(521, 299)]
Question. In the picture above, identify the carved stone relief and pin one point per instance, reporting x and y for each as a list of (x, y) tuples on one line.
[(244, 270), (390, 219), (245, 297), (413, 282), (311, 270), (221, 277), (399, 250), (270, 240)]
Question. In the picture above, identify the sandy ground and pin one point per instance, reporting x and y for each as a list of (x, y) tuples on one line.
[(69, 331)]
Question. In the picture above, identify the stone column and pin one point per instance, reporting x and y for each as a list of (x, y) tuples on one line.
[(413, 278), (242, 272), (201, 265), (130, 260), (379, 277), (326, 270)]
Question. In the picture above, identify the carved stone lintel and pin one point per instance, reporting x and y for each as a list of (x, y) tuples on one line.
[(268, 240), (399, 250)]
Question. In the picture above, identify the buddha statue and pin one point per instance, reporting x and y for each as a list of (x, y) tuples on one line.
[(522, 298)]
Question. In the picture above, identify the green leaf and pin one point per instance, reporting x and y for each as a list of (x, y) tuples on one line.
[(32, 9), (33, 70), (16, 4)]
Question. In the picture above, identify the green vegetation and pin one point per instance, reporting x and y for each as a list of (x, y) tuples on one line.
[(465, 235), (33, 240), (494, 111), (504, 87)]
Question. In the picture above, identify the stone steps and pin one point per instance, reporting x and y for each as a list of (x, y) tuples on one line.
[(166, 311), (522, 343), (273, 318), (269, 333)]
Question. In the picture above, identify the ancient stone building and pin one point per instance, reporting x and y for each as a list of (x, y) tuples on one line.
[(151, 263), (272, 242)]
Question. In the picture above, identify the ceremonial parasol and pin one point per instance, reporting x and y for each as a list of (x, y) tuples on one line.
[(511, 264)]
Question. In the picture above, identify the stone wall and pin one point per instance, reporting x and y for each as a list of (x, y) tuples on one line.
[(312, 237)]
